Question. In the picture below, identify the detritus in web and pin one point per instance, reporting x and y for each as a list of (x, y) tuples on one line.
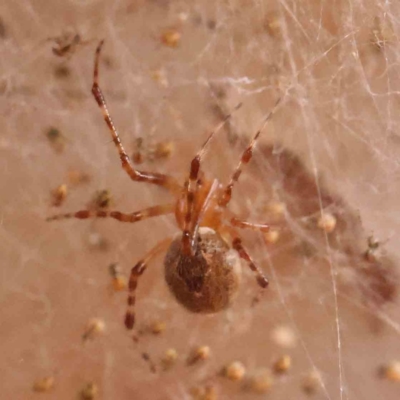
[(325, 176)]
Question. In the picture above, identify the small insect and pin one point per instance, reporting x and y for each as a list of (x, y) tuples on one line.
[(202, 266)]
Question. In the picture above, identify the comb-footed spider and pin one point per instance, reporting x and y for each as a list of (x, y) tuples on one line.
[(202, 266)]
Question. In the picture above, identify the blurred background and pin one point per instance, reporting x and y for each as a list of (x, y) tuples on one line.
[(325, 175)]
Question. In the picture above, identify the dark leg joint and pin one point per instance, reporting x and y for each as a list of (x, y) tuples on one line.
[(195, 166), (262, 281), (129, 320)]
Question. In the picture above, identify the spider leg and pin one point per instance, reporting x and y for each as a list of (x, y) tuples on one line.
[(243, 254), (238, 246), (136, 272), (188, 230), (242, 224), (150, 177), (245, 159), (123, 217)]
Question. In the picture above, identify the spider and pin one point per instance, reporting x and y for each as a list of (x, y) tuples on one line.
[(202, 262)]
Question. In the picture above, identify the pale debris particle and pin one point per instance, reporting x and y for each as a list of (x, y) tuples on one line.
[(276, 208), (235, 371), (94, 327), (327, 222), (273, 25), (171, 38), (58, 195), (76, 177), (151, 152), (43, 384), (183, 16), (97, 241), (391, 371), (89, 392), (157, 327), (169, 358), (176, 116), (119, 281), (162, 150), (272, 236), (199, 354), (160, 77), (114, 269), (101, 200), (56, 139), (283, 364), (312, 382), (382, 34), (260, 381), (208, 392), (284, 336)]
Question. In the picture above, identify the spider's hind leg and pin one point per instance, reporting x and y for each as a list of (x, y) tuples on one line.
[(244, 255), (238, 246)]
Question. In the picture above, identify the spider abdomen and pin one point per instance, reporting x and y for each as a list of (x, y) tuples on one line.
[(208, 281)]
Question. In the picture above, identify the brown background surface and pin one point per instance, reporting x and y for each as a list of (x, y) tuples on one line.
[(333, 146)]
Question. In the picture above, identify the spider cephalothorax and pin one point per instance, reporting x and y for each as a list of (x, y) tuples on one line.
[(202, 268)]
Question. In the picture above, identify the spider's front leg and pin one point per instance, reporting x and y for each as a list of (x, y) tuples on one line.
[(190, 223), (150, 177)]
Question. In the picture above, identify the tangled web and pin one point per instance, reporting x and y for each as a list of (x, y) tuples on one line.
[(324, 176)]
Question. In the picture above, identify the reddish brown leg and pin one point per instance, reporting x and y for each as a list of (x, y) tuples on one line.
[(246, 157), (150, 177), (136, 272), (133, 217), (238, 246), (188, 227), (249, 225)]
